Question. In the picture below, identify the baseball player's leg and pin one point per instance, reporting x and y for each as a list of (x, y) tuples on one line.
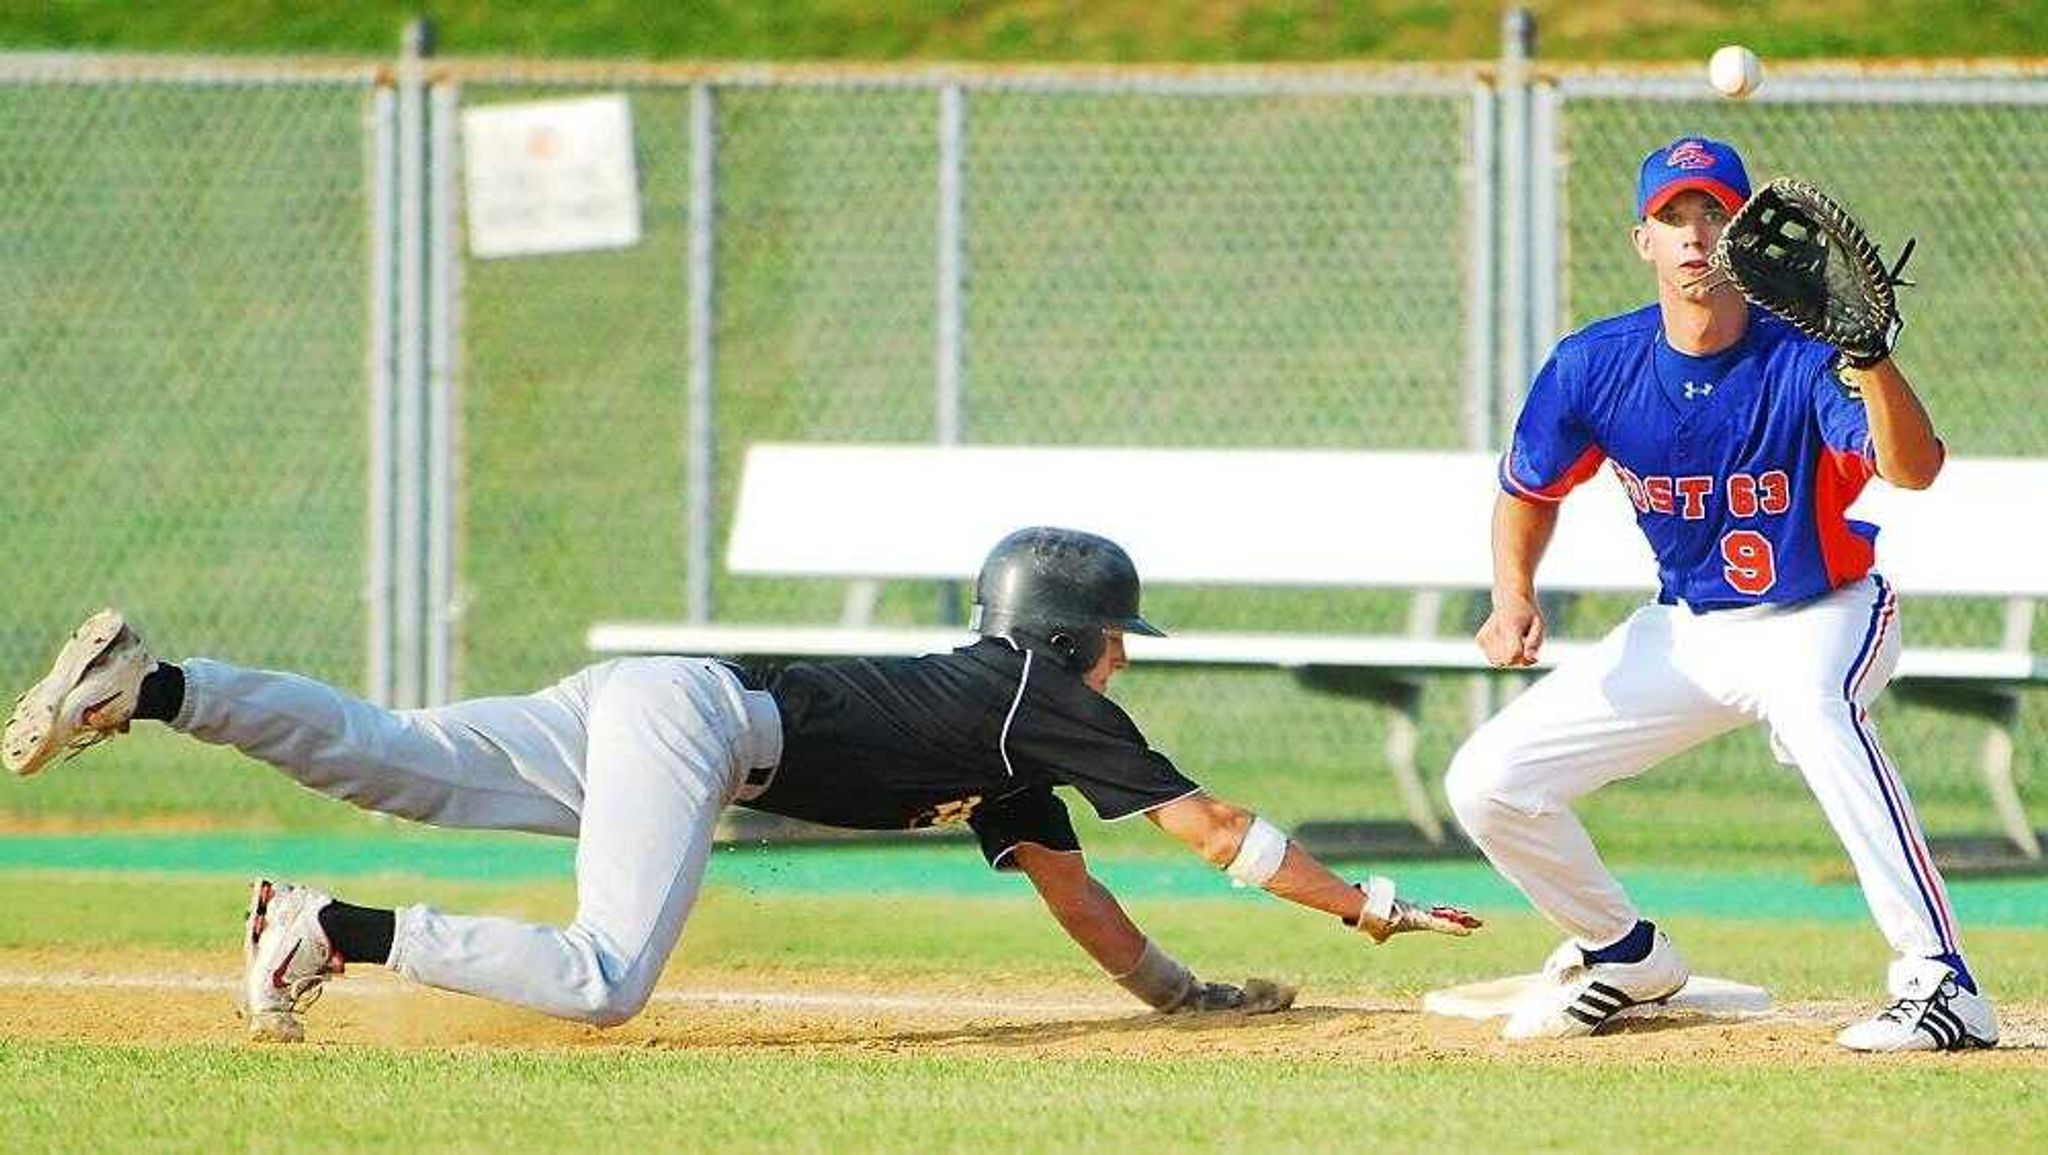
[(1840, 652), (510, 763), (1626, 706), (670, 740), (1622, 708)]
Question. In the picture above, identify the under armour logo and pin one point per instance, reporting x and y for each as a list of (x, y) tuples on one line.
[(1698, 389)]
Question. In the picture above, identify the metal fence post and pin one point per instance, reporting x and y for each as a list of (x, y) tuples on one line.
[(702, 473), (377, 593), (1518, 39), (1481, 269), (951, 415), (1546, 265), (408, 562), (443, 269), (952, 131)]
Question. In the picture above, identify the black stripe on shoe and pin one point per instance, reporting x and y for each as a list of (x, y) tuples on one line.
[(1597, 1004), (1614, 994), (1589, 1018), (1938, 1025), (1954, 1033)]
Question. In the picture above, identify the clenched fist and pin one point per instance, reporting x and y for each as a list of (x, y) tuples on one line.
[(1513, 633)]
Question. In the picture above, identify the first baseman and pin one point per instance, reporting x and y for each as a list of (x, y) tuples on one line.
[(635, 759), (1741, 444)]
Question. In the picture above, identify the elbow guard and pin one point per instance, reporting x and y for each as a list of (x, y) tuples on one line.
[(1259, 855)]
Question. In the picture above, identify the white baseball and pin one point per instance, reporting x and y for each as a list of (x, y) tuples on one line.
[(1734, 71)]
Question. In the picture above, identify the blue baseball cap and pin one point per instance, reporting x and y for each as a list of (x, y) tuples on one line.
[(1691, 162)]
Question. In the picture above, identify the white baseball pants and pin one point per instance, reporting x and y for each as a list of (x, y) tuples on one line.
[(633, 758), (1668, 679)]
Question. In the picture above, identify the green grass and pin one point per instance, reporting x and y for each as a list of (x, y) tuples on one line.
[(79, 1098), (1012, 940), (1027, 30)]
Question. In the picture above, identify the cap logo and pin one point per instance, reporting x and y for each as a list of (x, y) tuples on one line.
[(1690, 154)]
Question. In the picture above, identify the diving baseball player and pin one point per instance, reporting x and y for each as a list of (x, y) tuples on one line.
[(1740, 450), (636, 758)]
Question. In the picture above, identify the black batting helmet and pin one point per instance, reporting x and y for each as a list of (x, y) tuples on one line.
[(1055, 591)]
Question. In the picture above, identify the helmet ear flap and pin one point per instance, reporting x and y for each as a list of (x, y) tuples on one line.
[(1081, 648)]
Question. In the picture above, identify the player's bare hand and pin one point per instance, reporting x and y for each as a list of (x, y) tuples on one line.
[(1437, 918), (1383, 915), (1255, 997), (1513, 633)]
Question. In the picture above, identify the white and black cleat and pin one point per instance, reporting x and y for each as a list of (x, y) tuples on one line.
[(1930, 1012), (1579, 997)]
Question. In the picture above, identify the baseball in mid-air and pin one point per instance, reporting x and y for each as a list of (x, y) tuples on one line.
[(1734, 71)]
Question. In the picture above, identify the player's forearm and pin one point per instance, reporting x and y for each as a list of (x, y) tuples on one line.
[(1909, 455), (1088, 913), (1219, 831), (1521, 532), (1304, 881), (1097, 923)]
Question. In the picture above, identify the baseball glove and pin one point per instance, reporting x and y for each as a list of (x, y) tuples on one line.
[(1794, 251)]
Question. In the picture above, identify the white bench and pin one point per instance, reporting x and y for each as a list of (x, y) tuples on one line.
[(1398, 520)]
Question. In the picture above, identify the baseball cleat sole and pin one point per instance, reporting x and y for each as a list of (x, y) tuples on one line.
[(264, 1026), (30, 738)]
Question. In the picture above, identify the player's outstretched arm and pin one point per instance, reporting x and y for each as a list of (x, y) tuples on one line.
[(1909, 455), (1094, 919), (1513, 632), (1256, 853)]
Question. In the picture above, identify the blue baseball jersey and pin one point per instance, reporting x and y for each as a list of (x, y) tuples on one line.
[(1741, 466)]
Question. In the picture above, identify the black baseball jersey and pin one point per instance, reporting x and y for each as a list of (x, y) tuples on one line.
[(980, 735)]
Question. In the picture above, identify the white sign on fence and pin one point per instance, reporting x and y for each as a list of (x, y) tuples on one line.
[(550, 176)]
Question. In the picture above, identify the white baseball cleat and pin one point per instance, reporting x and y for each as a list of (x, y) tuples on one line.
[(286, 959), (87, 697), (1931, 1012), (1580, 996)]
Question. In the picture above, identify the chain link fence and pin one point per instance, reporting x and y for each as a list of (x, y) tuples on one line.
[(1230, 259), (184, 270)]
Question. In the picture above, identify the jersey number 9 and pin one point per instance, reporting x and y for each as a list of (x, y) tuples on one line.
[(1751, 567)]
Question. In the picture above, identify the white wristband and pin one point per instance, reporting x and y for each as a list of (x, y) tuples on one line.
[(1379, 898), (1259, 855)]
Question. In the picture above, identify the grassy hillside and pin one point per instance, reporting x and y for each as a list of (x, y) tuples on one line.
[(1030, 30)]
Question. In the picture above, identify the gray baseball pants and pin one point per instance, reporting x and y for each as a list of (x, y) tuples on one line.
[(633, 758)]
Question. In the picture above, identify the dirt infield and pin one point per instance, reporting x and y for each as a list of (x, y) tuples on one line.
[(179, 998)]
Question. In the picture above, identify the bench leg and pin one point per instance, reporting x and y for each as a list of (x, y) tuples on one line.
[(1999, 710), (859, 608), (1403, 733), (1404, 697), (1996, 764)]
